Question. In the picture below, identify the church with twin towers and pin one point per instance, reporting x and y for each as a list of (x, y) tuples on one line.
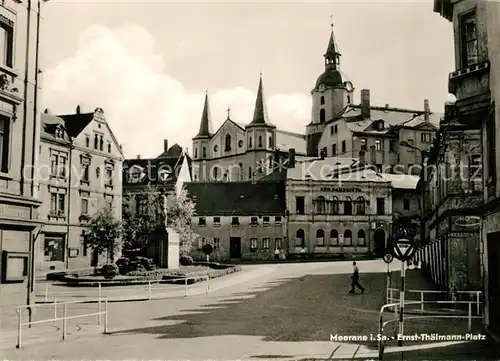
[(238, 152)]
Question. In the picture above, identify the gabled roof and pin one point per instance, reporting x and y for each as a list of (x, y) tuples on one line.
[(238, 198), (173, 151), (288, 140), (153, 168), (76, 123)]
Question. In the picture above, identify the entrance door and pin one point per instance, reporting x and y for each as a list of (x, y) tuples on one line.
[(379, 243), (494, 280), (235, 247), (94, 259)]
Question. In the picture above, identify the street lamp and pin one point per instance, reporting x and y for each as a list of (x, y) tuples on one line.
[(405, 144)]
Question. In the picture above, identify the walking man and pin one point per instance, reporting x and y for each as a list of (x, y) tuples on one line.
[(355, 279)]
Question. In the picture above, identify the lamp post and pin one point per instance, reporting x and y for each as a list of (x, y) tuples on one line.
[(423, 153)]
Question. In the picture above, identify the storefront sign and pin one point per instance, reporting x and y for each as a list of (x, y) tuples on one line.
[(12, 211), (340, 190)]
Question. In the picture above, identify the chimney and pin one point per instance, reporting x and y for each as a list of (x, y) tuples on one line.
[(77, 109), (291, 158), (47, 111), (138, 156), (165, 145), (427, 110), (365, 103)]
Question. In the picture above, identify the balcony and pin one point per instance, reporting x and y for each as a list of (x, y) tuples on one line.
[(471, 87)]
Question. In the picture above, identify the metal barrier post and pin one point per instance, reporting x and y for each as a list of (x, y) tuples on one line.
[(55, 309), (402, 303), (422, 301), (149, 290), (65, 314), (380, 331), (106, 315), (469, 321), (19, 326), (99, 307), (46, 293), (185, 287), (477, 303), (100, 291)]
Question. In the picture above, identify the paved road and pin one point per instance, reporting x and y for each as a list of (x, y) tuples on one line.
[(286, 310)]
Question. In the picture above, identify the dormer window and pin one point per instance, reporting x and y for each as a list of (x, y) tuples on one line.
[(135, 174)]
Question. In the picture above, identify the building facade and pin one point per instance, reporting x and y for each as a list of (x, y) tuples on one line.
[(19, 134), (476, 26), (80, 173), (241, 220)]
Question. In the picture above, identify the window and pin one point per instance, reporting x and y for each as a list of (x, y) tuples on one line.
[(196, 152), (360, 206), (277, 220), (347, 237), (54, 248), (336, 128), (109, 175), (235, 221), (96, 141), (216, 221), (320, 205), (240, 144), (278, 243), (58, 164), (265, 220), (270, 145), (57, 204), (322, 116), (348, 206), (344, 146), (201, 242), (361, 238), (204, 155), (299, 203), (250, 172), (250, 142), (335, 205), (491, 140), (109, 201), (227, 146), (260, 141), (378, 145), (406, 204), (334, 237), (84, 242), (254, 221), (85, 206), (392, 145), (215, 172), (87, 141), (85, 164), (426, 137), (469, 45), (101, 143), (216, 244), (322, 100), (380, 206), (334, 149), (320, 237), (109, 147), (363, 144), (253, 244), (7, 44), (331, 130), (266, 243), (202, 222), (299, 238)]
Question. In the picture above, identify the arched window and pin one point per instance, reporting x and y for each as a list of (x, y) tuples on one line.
[(228, 143), (322, 100), (335, 205), (270, 141), (348, 99), (361, 238), (196, 152), (299, 238), (347, 237), (109, 148), (260, 141), (87, 141), (322, 116), (334, 237), (101, 143), (204, 155), (250, 142), (96, 141), (348, 206), (320, 237), (320, 205), (360, 206), (270, 163)]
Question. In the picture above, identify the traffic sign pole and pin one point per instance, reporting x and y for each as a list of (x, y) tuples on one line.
[(402, 303)]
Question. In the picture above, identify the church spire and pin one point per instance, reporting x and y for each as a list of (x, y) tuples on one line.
[(332, 55), (260, 117), (206, 121)]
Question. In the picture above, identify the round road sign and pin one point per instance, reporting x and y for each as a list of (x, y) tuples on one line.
[(388, 257)]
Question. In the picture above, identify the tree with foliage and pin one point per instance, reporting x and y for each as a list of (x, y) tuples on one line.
[(179, 213), (104, 232), (140, 219)]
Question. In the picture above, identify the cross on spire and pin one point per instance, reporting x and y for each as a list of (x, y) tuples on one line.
[(331, 21), (228, 112)]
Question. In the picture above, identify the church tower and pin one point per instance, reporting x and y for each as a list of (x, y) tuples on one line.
[(201, 142), (331, 94)]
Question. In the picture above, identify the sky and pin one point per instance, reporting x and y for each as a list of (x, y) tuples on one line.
[(149, 63)]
